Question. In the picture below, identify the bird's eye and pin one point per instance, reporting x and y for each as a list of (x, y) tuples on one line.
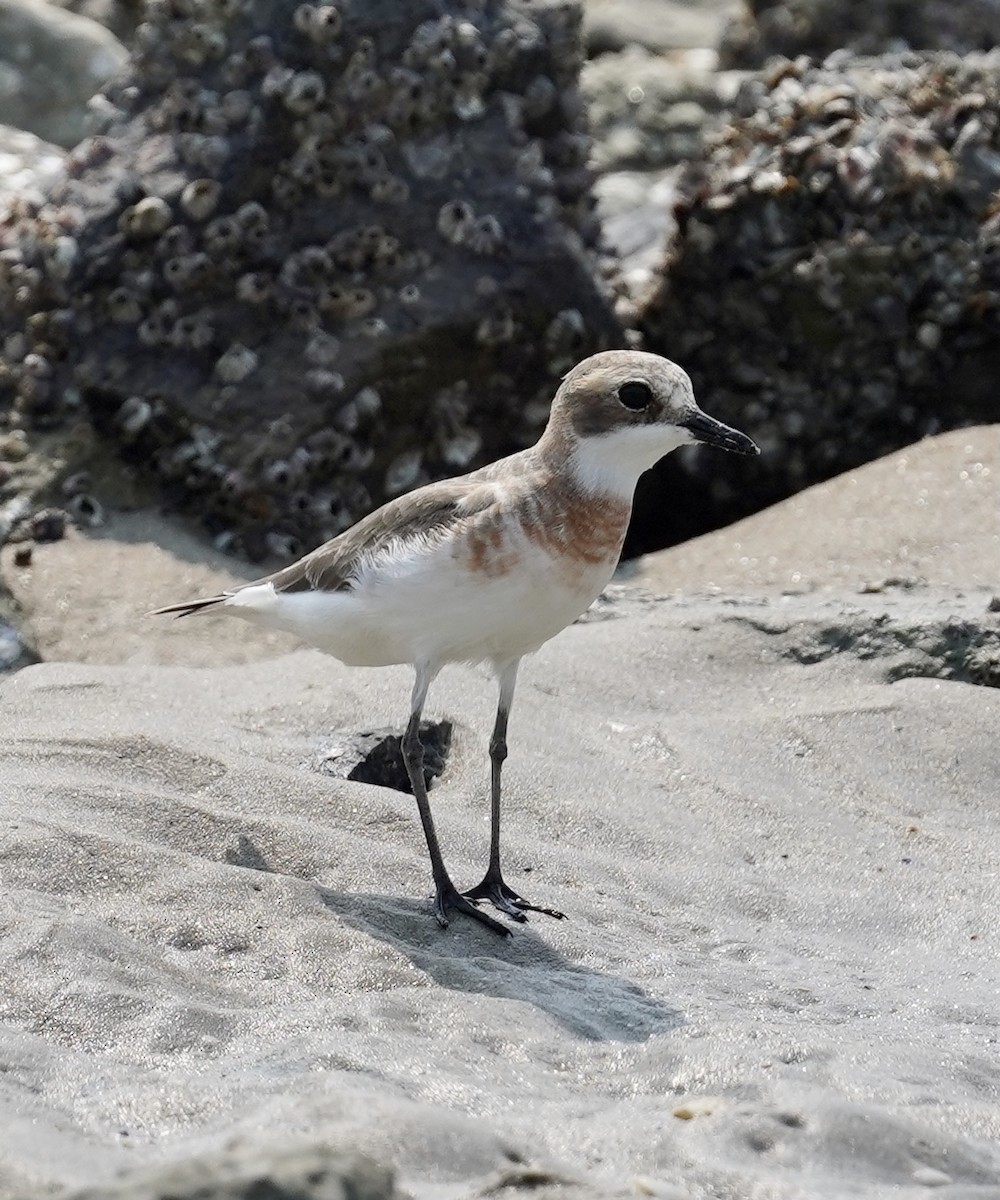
[(635, 395)]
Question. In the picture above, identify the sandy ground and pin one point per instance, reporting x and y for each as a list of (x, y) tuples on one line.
[(928, 513), (766, 803), (85, 598)]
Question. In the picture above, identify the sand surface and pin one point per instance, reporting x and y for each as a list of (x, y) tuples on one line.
[(85, 598), (771, 819), (929, 513)]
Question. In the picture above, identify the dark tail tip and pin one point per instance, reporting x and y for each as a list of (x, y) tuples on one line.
[(185, 610)]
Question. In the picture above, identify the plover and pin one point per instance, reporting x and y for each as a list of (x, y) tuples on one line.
[(488, 566)]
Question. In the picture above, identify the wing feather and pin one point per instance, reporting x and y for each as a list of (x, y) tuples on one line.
[(333, 566)]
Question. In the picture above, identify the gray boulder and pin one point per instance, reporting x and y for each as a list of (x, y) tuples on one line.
[(649, 111), (51, 63), (120, 16)]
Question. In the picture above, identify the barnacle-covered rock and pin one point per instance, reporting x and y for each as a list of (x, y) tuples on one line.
[(769, 28), (293, 208), (834, 284)]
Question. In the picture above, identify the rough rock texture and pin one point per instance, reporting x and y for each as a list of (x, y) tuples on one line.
[(51, 63), (766, 28), (834, 285), (245, 1171), (319, 255)]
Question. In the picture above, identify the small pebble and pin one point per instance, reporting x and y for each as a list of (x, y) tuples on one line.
[(644, 1185), (931, 1177), (48, 525), (14, 445)]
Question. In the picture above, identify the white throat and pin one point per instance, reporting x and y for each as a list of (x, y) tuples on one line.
[(611, 463)]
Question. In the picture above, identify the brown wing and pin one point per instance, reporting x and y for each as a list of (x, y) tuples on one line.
[(332, 566)]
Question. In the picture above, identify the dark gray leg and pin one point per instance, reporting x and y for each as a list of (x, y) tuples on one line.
[(492, 886), (446, 895)]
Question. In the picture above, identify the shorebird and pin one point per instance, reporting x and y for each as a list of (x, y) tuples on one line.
[(488, 566)]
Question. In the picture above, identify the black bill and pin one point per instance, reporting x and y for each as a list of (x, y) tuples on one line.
[(707, 429)]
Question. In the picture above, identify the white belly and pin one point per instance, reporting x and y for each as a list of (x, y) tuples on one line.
[(427, 608)]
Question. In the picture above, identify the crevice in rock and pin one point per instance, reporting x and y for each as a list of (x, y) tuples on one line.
[(960, 650), (376, 756)]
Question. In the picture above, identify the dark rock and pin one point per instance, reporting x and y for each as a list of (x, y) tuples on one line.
[(908, 646), (766, 28), (981, 663), (48, 525), (317, 257), (245, 1172), (376, 756), (834, 285)]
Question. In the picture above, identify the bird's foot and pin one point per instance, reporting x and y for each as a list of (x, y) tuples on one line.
[(449, 899), (504, 898)]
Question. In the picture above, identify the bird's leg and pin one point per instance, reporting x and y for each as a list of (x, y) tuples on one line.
[(446, 895), (492, 886)]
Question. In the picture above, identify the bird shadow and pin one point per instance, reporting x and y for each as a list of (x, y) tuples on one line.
[(466, 957), (593, 1005)]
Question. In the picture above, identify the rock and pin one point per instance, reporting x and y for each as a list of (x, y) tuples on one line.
[(51, 63), (909, 647), (834, 285), (766, 28), (15, 649), (657, 25), (635, 208), (376, 756), (121, 17), (650, 111), (243, 1171), (48, 525), (317, 257), (29, 166)]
